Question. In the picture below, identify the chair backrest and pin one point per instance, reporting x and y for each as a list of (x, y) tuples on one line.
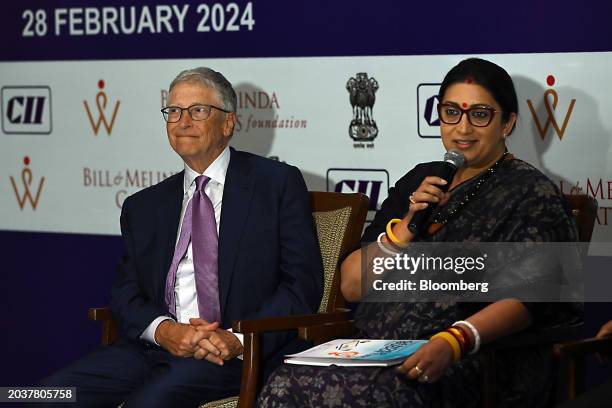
[(339, 220), (584, 210)]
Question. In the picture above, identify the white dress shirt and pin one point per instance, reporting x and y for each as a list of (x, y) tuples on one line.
[(185, 286)]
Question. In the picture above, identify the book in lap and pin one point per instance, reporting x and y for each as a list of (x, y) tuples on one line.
[(357, 353)]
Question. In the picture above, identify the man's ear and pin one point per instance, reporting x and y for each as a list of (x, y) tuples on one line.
[(228, 124)]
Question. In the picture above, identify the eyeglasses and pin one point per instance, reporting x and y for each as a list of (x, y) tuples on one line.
[(173, 114), (479, 116)]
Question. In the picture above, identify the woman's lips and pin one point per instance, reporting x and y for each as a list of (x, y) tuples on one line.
[(464, 144)]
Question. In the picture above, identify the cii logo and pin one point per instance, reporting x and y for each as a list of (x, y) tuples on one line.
[(372, 182), (26, 185), (101, 102), (26, 109), (428, 123), (550, 116)]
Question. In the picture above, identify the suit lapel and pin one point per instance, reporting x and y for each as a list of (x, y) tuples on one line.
[(237, 195), (168, 218)]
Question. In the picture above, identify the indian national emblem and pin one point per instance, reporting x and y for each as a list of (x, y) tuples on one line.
[(362, 92)]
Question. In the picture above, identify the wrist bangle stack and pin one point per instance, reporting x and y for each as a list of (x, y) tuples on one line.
[(460, 338), (474, 333), (469, 344)]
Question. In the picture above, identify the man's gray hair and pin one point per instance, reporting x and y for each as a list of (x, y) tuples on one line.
[(210, 79)]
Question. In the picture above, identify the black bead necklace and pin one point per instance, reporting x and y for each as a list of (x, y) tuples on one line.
[(439, 222)]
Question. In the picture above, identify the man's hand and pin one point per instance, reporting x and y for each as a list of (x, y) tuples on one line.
[(216, 345), (181, 339)]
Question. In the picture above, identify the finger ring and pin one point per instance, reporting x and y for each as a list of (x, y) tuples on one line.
[(418, 370), (424, 378), (411, 198)]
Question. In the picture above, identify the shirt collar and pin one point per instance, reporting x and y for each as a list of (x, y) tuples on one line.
[(216, 171)]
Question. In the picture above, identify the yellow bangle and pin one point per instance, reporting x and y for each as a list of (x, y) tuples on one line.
[(450, 339), (392, 236)]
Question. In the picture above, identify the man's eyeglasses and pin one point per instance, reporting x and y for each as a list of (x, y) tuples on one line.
[(173, 114), (479, 116)]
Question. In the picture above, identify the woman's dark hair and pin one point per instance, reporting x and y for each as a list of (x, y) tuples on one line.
[(490, 76)]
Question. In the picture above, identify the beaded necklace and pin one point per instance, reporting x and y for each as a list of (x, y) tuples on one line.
[(439, 222)]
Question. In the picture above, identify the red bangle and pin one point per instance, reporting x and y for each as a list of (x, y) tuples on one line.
[(460, 338), (468, 343)]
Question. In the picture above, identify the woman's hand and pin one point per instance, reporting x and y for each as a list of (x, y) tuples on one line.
[(428, 193), (605, 331), (429, 363)]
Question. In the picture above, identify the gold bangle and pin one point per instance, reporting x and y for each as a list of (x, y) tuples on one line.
[(392, 236), (452, 341)]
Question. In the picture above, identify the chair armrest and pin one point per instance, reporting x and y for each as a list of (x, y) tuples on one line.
[(321, 333), (579, 348), (271, 324), (109, 326), (99, 314)]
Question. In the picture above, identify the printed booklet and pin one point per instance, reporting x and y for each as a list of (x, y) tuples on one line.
[(357, 353)]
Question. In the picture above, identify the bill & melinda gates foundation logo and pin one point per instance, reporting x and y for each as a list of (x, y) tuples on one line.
[(99, 118), (258, 110), (550, 119), (26, 185)]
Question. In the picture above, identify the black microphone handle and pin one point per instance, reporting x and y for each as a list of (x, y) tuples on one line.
[(418, 222)]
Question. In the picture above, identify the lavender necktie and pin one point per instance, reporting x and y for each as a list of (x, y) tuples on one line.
[(198, 225)]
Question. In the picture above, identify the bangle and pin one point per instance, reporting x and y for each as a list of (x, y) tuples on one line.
[(460, 338), (468, 340), (474, 332), (382, 246), (452, 341), (394, 247), (391, 235)]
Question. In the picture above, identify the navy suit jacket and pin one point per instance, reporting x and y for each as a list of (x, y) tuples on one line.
[(269, 258)]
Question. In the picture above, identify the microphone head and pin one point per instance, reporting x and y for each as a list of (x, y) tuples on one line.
[(455, 157)]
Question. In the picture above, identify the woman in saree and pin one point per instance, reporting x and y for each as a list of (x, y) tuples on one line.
[(493, 198)]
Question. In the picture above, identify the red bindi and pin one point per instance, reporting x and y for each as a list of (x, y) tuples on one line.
[(469, 80), (464, 105)]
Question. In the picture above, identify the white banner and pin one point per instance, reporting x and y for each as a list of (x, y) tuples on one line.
[(78, 137)]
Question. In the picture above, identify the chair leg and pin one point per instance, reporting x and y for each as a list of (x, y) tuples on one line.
[(575, 380), (488, 380), (250, 371)]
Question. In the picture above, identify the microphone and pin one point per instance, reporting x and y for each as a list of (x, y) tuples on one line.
[(453, 161)]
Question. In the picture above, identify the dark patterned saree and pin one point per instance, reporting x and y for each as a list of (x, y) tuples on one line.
[(515, 203)]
